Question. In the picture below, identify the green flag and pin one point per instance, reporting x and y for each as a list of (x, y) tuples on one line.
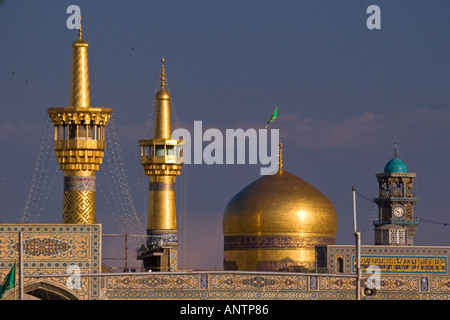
[(9, 282), (273, 117)]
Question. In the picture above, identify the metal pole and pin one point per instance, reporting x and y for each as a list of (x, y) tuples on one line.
[(358, 265), (354, 209), (126, 252), (20, 265), (358, 248)]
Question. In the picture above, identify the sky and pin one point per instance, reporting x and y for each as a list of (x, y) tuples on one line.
[(345, 94)]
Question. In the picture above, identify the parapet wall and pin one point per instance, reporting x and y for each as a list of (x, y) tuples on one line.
[(49, 250)]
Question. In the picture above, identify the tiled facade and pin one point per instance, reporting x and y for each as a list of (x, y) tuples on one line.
[(53, 249), (50, 249)]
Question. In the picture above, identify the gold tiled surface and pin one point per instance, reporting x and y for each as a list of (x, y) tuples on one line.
[(162, 210), (79, 207), (285, 206), (277, 204), (79, 90), (162, 128)]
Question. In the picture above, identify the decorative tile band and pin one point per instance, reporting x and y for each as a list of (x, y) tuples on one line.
[(161, 186), (273, 242), (248, 281), (43, 247), (74, 183), (155, 237), (404, 264), (424, 284)]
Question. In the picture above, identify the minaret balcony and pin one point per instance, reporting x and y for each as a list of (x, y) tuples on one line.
[(161, 152), (161, 160), (86, 144)]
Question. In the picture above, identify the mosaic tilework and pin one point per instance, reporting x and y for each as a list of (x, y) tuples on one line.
[(173, 259), (216, 286), (51, 249), (269, 242), (76, 183), (441, 284), (159, 281), (245, 281), (424, 284), (228, 295), (156, 186), (313, 283), (156, 237), (266, 286), (404, 264), (402, 283), (45, 247), (336, 283)]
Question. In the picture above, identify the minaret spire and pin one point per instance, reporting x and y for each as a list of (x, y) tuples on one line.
[(79, 30), (79, 141), (80, 96), (163, 126), (162, 162), (163, 74)]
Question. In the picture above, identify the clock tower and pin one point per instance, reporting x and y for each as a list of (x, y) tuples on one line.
[(395, 224)]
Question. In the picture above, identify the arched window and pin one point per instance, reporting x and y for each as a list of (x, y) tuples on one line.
[(340, 265)]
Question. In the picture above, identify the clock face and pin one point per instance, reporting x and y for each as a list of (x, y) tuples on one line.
[(398, 212)]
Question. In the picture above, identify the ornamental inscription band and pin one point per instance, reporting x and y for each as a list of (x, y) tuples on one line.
[(405, 264)]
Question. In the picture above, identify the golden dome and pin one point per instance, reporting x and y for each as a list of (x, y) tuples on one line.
[(275, 218)]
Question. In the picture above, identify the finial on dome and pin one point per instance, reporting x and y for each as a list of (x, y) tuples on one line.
[(163, 74), (395, 150), (280, 157)]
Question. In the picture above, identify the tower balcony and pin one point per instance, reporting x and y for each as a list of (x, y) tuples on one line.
[(395, 199), (378, 222)]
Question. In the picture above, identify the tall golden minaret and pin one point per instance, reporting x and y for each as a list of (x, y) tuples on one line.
[(162, 161), (79, 140)]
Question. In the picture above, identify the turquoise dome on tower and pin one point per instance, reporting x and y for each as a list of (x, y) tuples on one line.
[(395, 165)]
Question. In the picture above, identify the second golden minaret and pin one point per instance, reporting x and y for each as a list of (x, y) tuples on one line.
[(79, 141), (162, 160)]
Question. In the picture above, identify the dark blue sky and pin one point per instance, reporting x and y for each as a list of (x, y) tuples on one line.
[(345, 93)]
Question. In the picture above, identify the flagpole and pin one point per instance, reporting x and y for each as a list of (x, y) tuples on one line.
[(278, 126), (358, 248), (280, 144), (20, 265)]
